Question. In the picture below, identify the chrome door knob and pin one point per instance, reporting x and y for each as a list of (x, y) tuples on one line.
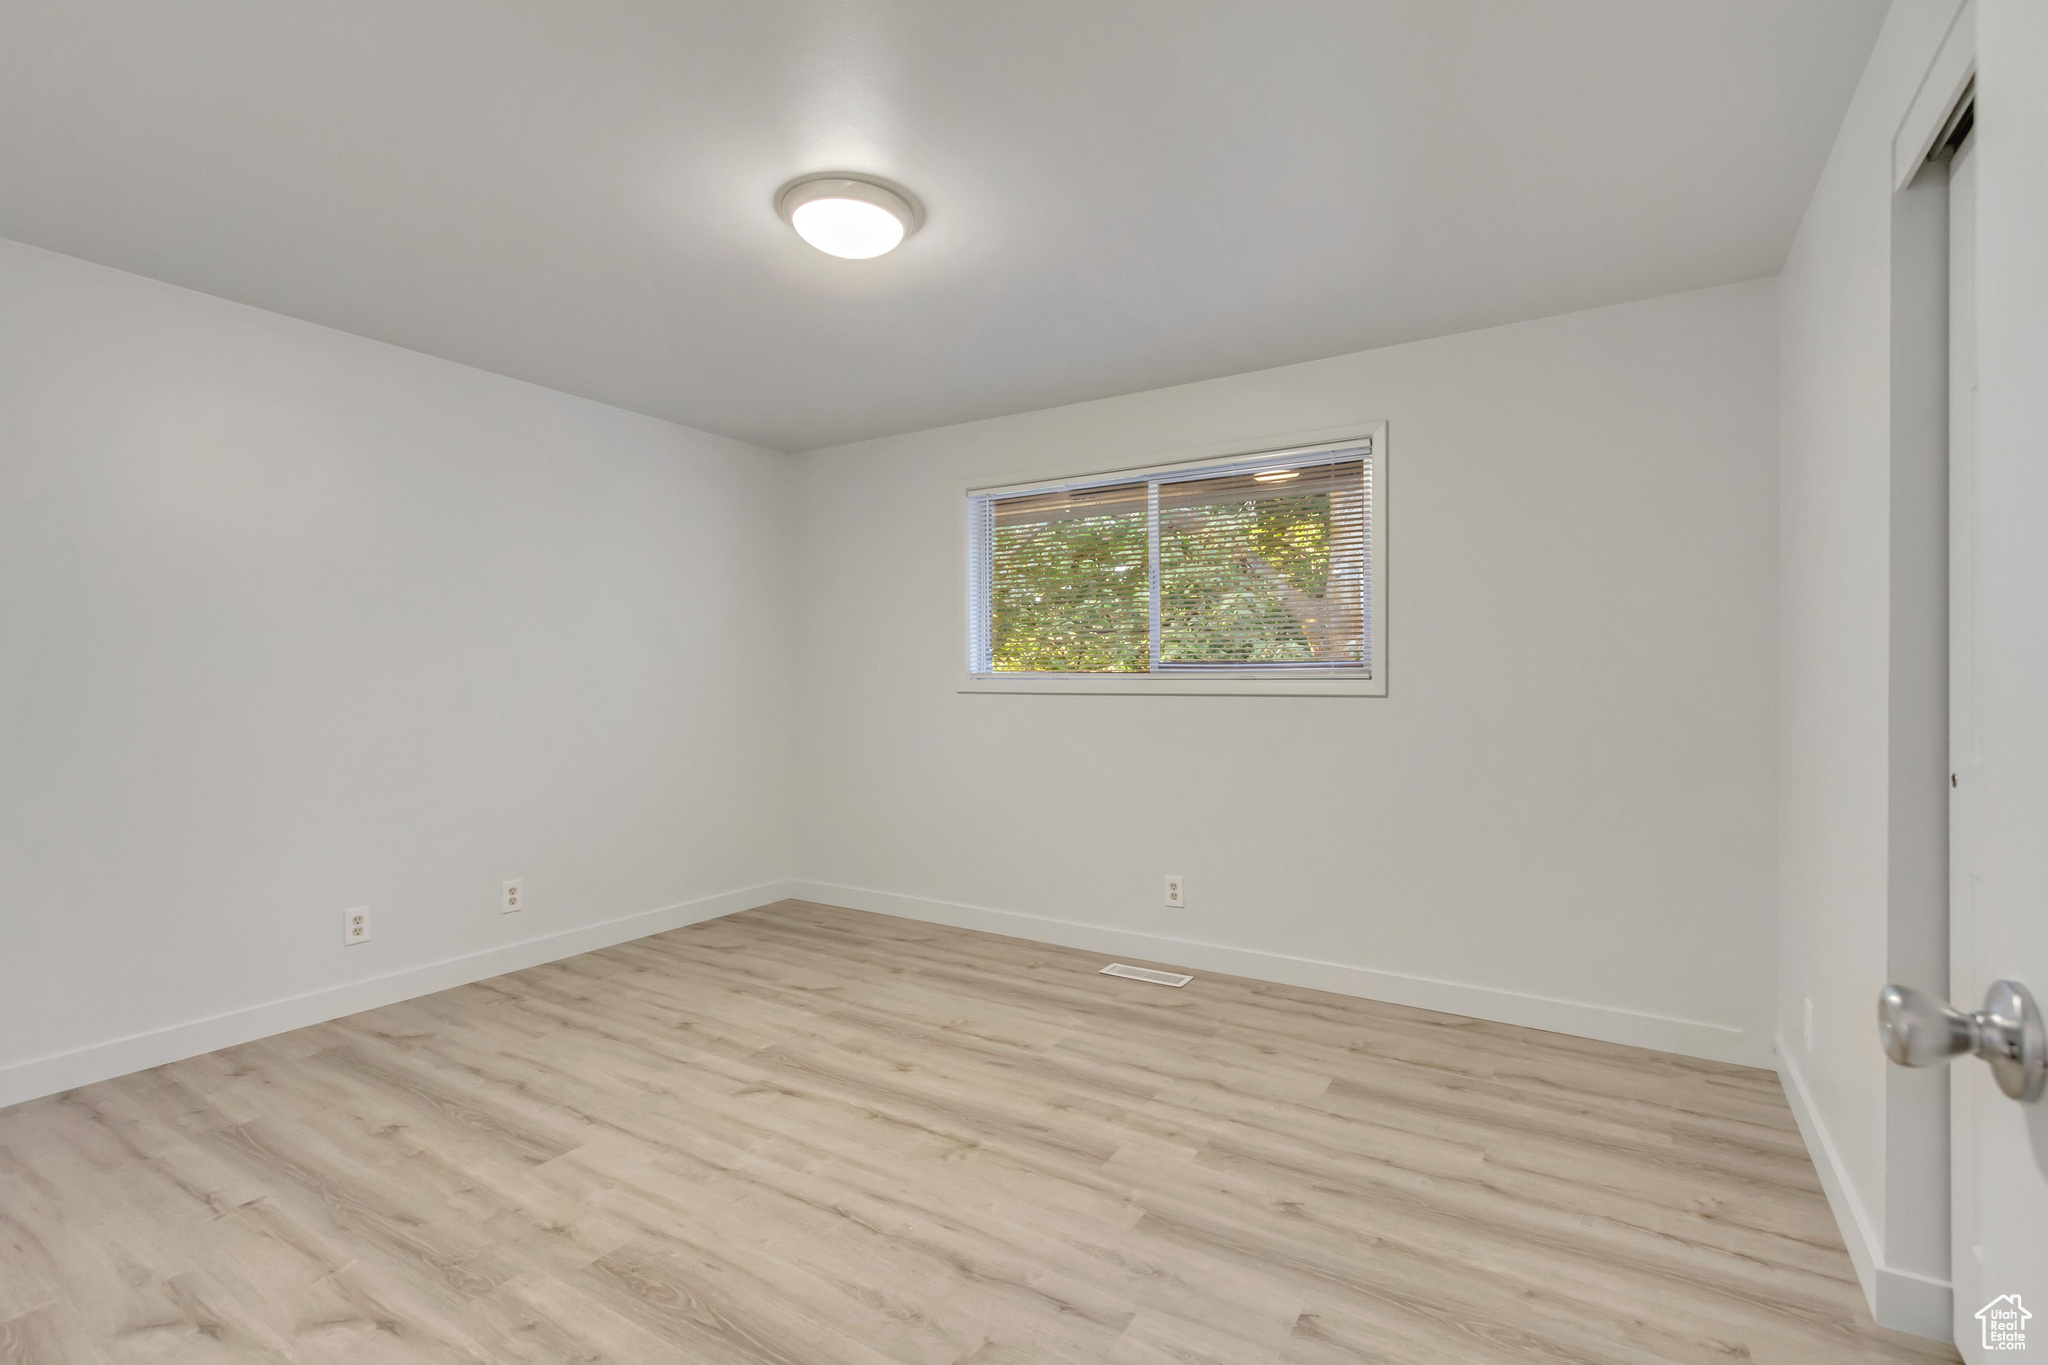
[(1919, 1030)]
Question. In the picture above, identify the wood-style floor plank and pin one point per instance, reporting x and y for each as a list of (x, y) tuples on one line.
[(809, 1136)]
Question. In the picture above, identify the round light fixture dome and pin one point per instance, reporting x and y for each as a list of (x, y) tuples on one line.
[(856, 217)]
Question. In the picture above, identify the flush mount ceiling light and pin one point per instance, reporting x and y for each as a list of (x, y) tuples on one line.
[(854, 216)]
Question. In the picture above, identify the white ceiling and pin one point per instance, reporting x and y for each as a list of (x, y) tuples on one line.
[(1122, 194)]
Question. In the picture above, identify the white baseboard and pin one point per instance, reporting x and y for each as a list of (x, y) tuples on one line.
[(120, 1056), (1920, 1304), (1865, 1251), (1693, 1038), (1899, 1299)]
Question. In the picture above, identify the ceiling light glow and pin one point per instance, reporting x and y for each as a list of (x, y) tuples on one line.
[(854, 217), (847, 227)]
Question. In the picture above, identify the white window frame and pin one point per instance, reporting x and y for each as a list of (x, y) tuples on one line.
[(1208, 684)]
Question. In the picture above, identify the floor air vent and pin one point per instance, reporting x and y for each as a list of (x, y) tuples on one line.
[(1146, 974)]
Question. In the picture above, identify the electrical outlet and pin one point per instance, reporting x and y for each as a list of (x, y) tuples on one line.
[(1809, 1026), (355, 926), (1175, 895), (511, 901)]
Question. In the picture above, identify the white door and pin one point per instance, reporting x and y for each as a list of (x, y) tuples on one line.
[(1969, 1084), (1999, 674)]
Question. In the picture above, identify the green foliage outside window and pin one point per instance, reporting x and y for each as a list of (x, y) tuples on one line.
[(1072, 596), (1242, 580)]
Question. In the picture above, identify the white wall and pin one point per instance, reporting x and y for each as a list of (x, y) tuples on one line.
[(1856, 702), (1564, 813), (295, 621)]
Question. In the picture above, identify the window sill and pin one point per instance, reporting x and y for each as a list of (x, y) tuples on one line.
[(1147, 684)]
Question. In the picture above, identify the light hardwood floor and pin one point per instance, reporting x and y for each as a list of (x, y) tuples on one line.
[(809, 1136)]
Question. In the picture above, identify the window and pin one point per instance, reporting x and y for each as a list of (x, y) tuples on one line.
[(1260, 572)]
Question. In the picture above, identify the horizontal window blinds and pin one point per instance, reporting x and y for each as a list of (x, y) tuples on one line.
[(1254, 566), (1069, 590)]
